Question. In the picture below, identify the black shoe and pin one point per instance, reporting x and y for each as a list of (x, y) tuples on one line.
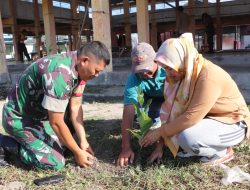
[(2, 158), (9, 145)]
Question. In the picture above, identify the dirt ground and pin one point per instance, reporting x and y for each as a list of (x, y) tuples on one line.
[(104, 111), (93, 111)]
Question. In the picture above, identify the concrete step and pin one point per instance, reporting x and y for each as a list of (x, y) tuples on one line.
[(103, 93)]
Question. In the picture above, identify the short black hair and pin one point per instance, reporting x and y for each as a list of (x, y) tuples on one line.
[(95, 48)]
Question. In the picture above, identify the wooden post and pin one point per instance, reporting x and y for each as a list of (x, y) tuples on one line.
[(153, 31), (218, 27), (101, 25), (4, 77), (49, 27), (127, 23), (14, 28), (37, 27), (142, 21), (191, 7), (75, 25), (205, 6)]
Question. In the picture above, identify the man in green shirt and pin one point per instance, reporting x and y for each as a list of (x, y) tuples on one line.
[(147, 75), (34, 113)]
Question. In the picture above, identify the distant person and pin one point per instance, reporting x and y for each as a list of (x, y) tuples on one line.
[(21, 46), (209, 30), (43, 51), (150, 77), (184, 23)]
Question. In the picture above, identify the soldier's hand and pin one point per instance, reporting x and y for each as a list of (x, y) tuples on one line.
[(126, 156), (84, 159)]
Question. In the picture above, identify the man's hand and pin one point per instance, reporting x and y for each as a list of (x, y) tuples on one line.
[(126, 156), (157, 153), (84, 158)]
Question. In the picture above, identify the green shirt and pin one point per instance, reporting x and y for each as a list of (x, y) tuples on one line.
[(152, 87)]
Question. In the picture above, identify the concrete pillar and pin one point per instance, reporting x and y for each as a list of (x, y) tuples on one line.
[(153, 30), (101, 24), (14, 27), (191, 7), (75, 25), (142, 21), (49, 27), (4, 77), (127, 23), (37, 27), (218, 27)]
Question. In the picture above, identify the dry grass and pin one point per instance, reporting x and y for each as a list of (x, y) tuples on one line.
[(105, 138)]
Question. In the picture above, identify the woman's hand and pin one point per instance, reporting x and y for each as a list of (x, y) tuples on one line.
[(151, 137), (157, 153)]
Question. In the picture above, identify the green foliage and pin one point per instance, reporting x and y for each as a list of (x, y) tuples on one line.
[(145, 122)]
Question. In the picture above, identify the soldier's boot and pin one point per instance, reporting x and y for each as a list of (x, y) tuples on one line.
[(8, 146)]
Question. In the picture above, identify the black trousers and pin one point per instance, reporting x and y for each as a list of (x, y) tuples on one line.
[(23, 50)]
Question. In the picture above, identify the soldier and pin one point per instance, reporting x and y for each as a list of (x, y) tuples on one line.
[(34, 112)]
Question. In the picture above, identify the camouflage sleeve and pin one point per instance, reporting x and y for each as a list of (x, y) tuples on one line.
[(78, 90), (57, 91)]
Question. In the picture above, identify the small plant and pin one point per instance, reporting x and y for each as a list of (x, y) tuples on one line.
[(145, 122)]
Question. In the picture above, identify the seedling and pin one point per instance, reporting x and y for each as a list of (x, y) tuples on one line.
[(145, 122)]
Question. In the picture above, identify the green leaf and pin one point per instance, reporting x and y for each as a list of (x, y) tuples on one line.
[(137, 109), (147, 105), (136, 133), (145, 121), (140, 97)]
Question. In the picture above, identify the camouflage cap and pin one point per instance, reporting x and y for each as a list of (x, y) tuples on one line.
[(142, 56)]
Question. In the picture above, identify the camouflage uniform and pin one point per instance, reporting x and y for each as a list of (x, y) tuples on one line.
[(47, 84)]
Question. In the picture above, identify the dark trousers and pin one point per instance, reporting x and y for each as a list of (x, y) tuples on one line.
[(210, 41), (23, 50), (155, 107)]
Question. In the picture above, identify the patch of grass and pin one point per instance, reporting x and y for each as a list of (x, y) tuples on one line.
[(105, 138)]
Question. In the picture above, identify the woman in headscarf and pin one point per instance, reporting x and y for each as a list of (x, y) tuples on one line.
[(204, 112)]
